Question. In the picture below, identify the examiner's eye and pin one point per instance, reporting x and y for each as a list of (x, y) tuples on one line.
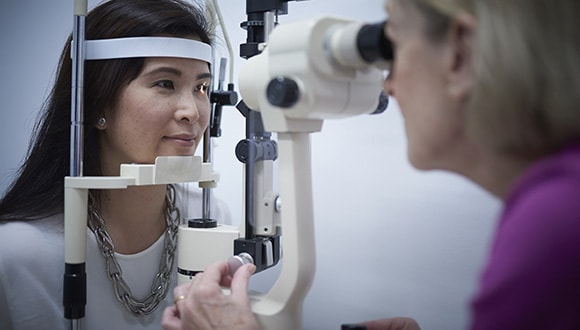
[(168, 84)]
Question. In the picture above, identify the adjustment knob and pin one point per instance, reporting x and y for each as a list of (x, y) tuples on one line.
[(283, 92), (202, 223)]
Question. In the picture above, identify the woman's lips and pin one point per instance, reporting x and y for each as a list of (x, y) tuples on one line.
[(182, 140)]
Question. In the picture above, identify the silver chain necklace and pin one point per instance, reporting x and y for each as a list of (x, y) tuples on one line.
[(115, 273)]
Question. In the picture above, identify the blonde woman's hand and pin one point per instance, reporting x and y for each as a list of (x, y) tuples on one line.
[(202, 304), (395, 323)]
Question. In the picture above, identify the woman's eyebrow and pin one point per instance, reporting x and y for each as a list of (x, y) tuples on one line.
[(165, 69), (176, 72), (205, 75)]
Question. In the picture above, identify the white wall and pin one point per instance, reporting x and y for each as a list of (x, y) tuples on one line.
[(390, 240)]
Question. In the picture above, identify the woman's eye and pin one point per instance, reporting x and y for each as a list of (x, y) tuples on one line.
[(168, 84), (202, 88)]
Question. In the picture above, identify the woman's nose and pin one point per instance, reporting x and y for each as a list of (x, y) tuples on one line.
[(188, 109)]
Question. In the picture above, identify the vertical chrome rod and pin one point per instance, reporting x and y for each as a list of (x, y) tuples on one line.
[(74, 283), (77, 82), (206, 192), (207, 147)]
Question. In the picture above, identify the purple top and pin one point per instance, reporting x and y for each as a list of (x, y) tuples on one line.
[(532, 277)]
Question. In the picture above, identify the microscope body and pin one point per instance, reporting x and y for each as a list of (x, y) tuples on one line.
[(295, 83)]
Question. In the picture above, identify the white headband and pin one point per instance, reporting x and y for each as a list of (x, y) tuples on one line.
[(103, 49)]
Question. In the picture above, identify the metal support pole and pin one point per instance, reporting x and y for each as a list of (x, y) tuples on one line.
[(74, 282)]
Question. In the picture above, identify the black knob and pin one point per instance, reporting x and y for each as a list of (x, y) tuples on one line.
[(202, 223), (283, 92), (224, 97)]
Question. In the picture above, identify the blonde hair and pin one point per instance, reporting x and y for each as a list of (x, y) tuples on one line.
[(526, 95)]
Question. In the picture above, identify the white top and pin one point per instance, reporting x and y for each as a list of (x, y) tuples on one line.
[(32, 269)]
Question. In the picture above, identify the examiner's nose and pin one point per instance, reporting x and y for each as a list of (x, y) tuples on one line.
[(388, 85)]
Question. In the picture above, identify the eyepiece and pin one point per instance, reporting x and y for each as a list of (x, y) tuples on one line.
[(372, 44), (360, 45)]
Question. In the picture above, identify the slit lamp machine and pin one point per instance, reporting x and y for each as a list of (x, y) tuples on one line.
[(295, 76)]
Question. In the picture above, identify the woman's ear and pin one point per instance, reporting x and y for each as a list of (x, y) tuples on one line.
[(461, 41)]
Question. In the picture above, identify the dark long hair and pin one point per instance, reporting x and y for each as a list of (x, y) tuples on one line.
[(38, 190)]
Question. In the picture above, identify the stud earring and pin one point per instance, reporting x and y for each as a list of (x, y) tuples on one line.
[(101, 122)]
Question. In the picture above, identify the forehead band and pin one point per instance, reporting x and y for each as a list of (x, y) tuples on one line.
[(104, 49)]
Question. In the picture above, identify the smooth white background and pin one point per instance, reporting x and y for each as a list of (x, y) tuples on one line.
[(390, 240)]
